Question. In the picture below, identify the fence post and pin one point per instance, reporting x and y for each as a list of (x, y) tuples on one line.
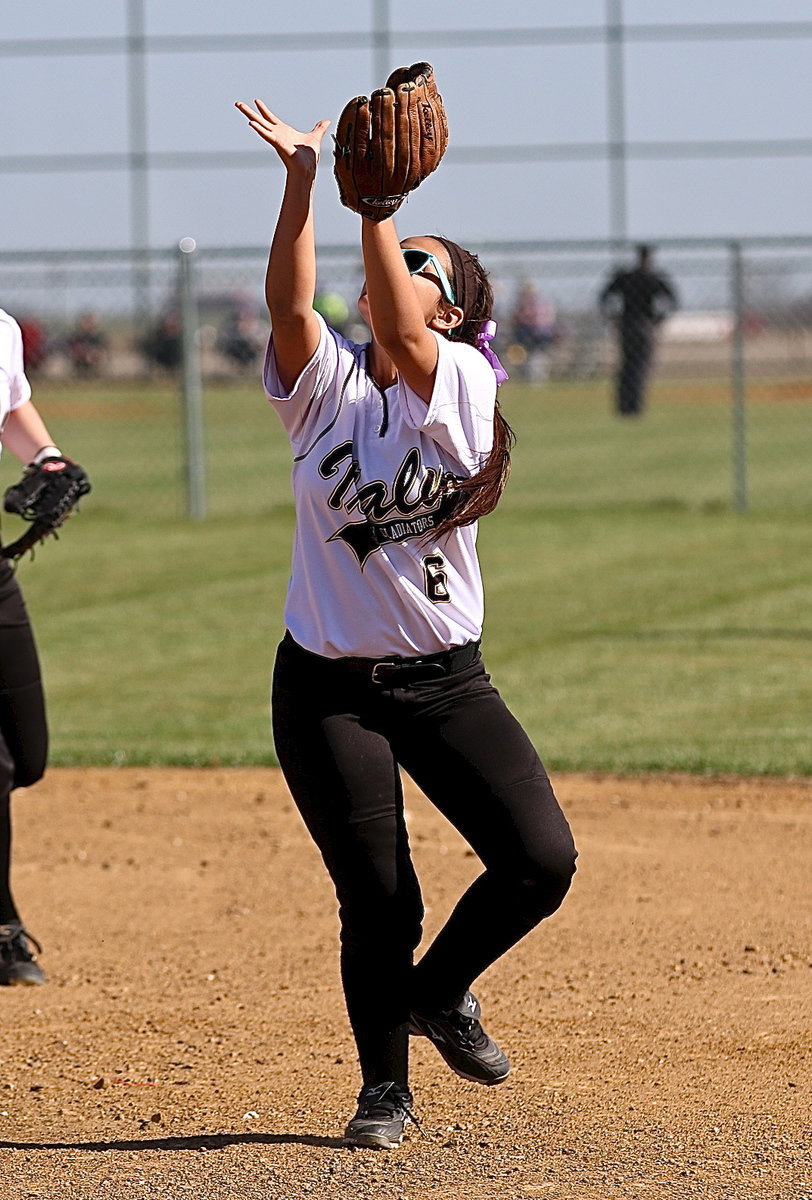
[(738, 380), (191, 382)]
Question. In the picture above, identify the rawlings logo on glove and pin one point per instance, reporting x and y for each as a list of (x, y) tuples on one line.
[(47, 494)]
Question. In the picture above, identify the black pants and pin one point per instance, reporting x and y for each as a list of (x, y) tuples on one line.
[(636, 356), (23, 727), (340, 739)]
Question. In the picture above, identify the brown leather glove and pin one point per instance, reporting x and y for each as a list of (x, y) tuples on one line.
[(387, 144)]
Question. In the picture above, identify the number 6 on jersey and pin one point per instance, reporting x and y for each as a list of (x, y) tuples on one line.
[(436, 579)]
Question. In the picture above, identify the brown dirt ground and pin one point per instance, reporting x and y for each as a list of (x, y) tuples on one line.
[(192, 1039)]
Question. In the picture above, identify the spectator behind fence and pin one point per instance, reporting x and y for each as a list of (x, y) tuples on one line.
[(87, 345), (243, 340), (35, 343), (535, 332), (637, 300), (162, 345)]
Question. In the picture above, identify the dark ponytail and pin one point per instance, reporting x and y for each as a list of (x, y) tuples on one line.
[(479, 495)]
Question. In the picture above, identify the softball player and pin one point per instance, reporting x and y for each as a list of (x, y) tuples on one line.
[(398, 446), (23, 728)]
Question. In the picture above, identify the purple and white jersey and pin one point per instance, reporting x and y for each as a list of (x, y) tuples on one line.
[(15, 389), (369, 473)]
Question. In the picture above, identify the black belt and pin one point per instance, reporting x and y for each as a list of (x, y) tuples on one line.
[(395, 671)]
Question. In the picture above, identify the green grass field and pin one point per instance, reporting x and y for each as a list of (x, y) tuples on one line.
[(634, 621)]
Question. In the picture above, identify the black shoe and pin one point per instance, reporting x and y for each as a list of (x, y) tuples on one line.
[(17, 963), (383, 1111), (463, 1043)]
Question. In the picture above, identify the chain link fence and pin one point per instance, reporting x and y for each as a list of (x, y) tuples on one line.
[(157, 357)]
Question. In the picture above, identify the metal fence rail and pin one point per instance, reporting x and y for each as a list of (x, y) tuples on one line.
[(170, 333)]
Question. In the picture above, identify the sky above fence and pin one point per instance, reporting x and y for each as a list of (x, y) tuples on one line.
[(678, 90)]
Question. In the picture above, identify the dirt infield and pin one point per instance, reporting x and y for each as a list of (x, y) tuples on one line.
[(192, 1039)]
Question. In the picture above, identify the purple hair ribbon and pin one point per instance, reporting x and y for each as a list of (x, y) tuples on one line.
[(487, 330)]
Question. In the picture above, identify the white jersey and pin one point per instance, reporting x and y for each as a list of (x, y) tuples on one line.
[(15, 389), (369, 470)]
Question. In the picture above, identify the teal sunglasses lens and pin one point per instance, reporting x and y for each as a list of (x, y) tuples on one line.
[(417, 261)]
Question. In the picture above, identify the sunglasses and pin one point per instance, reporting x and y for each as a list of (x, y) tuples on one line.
[(417, 261)]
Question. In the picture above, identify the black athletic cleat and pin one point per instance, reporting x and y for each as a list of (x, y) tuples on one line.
[(18, 965), (383, 1111), (463, 1043)]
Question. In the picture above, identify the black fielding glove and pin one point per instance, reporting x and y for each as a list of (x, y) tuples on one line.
[(48, 493)]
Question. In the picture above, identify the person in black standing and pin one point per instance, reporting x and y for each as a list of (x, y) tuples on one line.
[(638, 300)]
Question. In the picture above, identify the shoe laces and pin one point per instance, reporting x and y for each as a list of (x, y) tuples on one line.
[(469, 1029), (383, 1101), (13, 939)]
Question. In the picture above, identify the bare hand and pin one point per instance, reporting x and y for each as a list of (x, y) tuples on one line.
[(296, 149)]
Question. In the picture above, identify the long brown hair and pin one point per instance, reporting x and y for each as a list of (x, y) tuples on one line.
[(479, 495)]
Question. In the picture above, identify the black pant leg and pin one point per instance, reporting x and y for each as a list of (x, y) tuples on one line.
[(23, 726), (637, 345), (473, 760), (8, 909), (345, 782)]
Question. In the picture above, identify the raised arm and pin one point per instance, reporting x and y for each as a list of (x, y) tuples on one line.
[(402, 314), (290, 281)]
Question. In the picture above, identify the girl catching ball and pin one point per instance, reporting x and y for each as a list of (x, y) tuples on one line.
[(399, 447)]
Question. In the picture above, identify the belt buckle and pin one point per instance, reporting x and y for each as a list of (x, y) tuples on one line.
[(375, 677)]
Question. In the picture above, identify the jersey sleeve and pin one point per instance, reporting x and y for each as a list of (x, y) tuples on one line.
[(313, 400), (459, 416), (12, 369)]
